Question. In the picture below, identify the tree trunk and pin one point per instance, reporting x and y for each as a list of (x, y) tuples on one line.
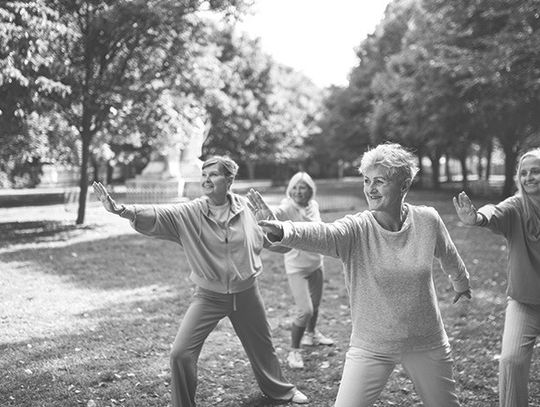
[(95, 169), (250, 165), (420, 175), (109, 173), (83, 183), (479, 166), (489, 155), (447, 170), (510, 158), (465, 177), (435, 170)]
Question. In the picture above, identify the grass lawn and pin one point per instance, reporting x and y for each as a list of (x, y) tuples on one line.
[(88, 314)]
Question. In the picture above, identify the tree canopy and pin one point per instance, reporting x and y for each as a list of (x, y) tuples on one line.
[(442, 77)]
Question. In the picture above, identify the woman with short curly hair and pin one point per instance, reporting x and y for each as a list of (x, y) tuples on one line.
[(388, 253)]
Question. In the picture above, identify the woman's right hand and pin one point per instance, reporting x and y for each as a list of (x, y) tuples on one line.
[(273, 229), (108, 203), (465, 209), (258, 206)]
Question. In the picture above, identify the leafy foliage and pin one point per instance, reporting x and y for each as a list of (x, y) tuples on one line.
[(29, 31), (265, 110), (445, 78)]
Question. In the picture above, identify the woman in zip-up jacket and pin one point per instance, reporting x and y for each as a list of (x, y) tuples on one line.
[(222, 243), (517, 218)]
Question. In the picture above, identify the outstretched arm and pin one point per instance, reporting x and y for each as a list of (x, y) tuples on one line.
[(273, 229), (466, 211), (108, 203)]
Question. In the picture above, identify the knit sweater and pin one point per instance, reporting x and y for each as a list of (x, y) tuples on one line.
[(388, 275), (507, 218), (300, 260)]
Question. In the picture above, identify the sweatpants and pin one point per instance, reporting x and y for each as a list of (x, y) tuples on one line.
[(521, 327), (306, 288), (248, 317), (366, 373)]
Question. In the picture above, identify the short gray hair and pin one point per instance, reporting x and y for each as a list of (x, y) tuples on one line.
[(399, 161), (228, 165)]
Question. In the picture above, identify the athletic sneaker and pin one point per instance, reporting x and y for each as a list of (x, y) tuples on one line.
[(316, 338), (295, 360), (299, 397)]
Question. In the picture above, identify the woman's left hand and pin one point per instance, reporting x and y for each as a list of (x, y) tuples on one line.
[(259, 208), (467, 293), (108, 203)]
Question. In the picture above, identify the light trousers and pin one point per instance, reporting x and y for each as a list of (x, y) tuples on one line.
[(366, 373), (307, 288), (248, 317), (521, 327)]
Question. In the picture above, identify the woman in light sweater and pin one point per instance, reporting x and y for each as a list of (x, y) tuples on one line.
[(304, 269), (518, 219), (388, 253), (222, 243)]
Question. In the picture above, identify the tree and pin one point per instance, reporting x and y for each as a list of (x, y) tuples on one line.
[(29, 32), (121, 51), (264, 110), (347, 124), (492, 51)]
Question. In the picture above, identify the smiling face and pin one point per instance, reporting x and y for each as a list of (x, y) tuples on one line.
[(383, 193), (214, 183), (529, 176), (301, 193)]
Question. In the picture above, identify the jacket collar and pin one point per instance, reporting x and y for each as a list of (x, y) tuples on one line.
[(234, 199)]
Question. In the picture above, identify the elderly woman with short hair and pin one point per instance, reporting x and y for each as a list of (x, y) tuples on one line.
[(222, 243), (388, 252)]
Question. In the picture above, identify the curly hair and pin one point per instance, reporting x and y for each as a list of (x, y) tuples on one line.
[(394, 157)]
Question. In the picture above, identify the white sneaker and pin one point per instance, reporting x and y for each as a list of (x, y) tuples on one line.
[(299, 397), (316, 338), (295, 360)]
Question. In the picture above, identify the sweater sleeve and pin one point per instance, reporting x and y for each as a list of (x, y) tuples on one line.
[(448, 256), (499, 217), (159, 221), (330, 239)]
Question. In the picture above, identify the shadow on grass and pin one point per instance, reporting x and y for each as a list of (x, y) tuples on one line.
[(38, 231), (125, 261), (121, 358), (115, 362)]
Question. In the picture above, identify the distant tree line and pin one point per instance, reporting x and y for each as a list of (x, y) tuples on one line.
[(443, 78)]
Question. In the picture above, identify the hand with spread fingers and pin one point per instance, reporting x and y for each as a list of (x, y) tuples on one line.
[(465, 209), (108, 203), (258, 206)]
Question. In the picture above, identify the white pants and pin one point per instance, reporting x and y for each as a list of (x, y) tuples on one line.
[(521, 327), (366, 373)]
